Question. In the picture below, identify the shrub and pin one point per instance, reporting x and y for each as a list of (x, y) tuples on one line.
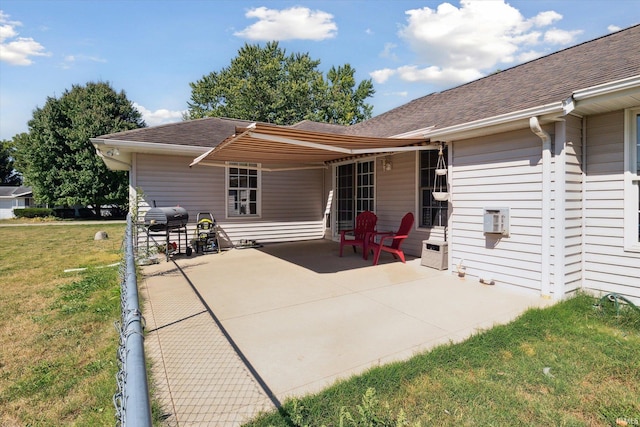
[(33, 212)]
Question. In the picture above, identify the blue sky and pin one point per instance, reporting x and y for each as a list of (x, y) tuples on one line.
[(153, 49)]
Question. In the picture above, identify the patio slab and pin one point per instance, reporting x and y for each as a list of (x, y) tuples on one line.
[(301, 318)]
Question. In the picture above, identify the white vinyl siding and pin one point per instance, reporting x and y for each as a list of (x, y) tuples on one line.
[(572, 265), (6, 208), (397, 194), (503, 170), (292, 201), (607, 266)]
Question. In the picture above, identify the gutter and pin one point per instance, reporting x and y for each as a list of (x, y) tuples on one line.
[(613, 89), (548, 111), (148, 147)]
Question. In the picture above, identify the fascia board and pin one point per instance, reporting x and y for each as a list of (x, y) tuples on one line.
[(618, 87), (148, 147), (496, 124)]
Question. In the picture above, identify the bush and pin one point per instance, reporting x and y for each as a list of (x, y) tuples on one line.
[(33, 212)]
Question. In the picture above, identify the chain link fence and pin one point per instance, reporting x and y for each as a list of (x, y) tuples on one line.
[(131, 399)]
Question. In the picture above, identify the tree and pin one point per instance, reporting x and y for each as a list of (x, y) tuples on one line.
[(58, 160), (267, 85), (342, 104), (8, 175)]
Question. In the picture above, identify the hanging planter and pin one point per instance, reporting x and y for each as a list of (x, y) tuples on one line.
[(440, 196), (440, 191)]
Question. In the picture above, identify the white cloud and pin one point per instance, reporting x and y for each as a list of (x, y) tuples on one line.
[(70, 60), (381, 76), (441, 76), (544, 19), (613, 28), (401, 94), (561, 37), (288, 24), (78, 58), (17, 50), (158, 117), (529, 55), (454, 45), (388, 51)]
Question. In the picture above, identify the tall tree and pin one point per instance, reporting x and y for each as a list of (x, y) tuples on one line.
[(8, 175), (342, 104), (265, 84), (58, 160)]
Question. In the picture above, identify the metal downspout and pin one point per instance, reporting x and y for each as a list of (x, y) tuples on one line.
[(545, 249)]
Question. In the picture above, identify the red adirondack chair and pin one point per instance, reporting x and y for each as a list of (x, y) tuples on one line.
[(365, 225), (390, 242)]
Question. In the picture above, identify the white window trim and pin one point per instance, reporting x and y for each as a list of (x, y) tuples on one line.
[(631, 181), (241, 165)]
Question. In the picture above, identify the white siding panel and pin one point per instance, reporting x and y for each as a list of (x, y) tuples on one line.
[(498, 171), (573, 212), (396, 193), (608, 268), (292, 205)]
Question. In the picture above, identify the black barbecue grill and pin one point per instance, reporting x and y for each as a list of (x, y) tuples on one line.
[(162, 219), (168, 220)]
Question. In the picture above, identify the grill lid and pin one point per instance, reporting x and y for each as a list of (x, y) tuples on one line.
[(159, 219)]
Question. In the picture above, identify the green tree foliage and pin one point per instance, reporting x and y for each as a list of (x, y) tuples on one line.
[(267, 85), (342, 104), (8, 175), (58, 160)]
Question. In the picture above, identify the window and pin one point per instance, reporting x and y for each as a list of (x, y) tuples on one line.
[(355, 192), (243, 181), (632, 181), (433, 213)]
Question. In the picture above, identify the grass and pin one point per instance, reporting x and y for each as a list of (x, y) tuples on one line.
[(57, 334), (571, 364)]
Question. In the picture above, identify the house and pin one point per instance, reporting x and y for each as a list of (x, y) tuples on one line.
[(543, 167), (14, 197)]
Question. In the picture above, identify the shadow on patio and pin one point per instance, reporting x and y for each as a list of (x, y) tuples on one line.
[(300, 317)]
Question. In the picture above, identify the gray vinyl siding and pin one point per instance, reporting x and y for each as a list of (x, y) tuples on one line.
[(607, 266), (396, 194), (573, 208), (503, 170), (291, 207), (292, 195)]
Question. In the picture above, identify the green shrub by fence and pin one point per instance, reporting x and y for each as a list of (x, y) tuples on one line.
[(33, 212)]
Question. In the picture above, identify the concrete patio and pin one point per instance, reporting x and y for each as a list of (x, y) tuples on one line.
[(235, 333)]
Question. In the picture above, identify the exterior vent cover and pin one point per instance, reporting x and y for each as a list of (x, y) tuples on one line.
[(496, 221)]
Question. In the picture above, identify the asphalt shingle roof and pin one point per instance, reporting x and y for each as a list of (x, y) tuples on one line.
[(13, 191), (207, 132), (548, 79)]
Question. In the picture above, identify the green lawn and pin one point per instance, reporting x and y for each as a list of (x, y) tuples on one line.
[(571, 364), (567, 365), (57, 334)]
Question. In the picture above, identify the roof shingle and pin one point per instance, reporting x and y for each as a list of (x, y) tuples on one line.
[(545, 80)]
